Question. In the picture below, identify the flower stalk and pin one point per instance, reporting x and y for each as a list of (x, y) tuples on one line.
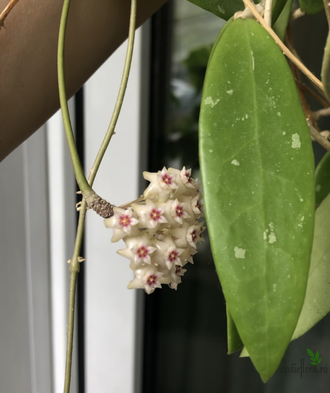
[(90, 198), (85, 188)]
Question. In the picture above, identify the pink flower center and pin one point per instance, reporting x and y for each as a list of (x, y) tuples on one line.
[(124, 221), (198, 206), (193, 235), (177, 270), (155, 214), (167, 179), (188, 177), (179, 211), (152, 280), (172, 256), (142, 252)]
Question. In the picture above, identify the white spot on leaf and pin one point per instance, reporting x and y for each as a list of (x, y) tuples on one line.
[(235, 162), (211, 102), (296, 144), (221, 10), (230, 92), (270, 234), (239, 253)]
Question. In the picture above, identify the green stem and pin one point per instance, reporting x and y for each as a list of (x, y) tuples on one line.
[(74, 269), (121, 94), (327, 10), (85, 188), (74, 263), (69, 347)]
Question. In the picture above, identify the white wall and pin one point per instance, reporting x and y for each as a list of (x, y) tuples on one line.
[(25, 318)]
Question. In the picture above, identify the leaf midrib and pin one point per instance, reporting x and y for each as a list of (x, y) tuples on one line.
[(261, 175)]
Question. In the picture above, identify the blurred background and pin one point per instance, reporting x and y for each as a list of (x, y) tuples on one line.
[(127, 341)]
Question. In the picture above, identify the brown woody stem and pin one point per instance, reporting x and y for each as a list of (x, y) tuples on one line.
[(6, 12)]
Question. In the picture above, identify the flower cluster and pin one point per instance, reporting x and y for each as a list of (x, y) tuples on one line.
[(161, 229)]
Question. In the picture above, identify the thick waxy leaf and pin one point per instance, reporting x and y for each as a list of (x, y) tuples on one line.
[(278, 6), (322, 179), (225, 9), (317, 300), (282, 21), (311, 6), (233, 338), (258, 181)]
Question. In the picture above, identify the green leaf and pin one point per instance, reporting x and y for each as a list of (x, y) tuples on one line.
[(244, 353), (311, 6), (257, 170), (233, 339), (278, 6), (322, 179), (224, 9), (313, 363), (319, 361), (325, 71), (316, 356), (282, 21), (317, 300)]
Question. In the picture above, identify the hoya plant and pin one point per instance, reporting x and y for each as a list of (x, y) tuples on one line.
[(266, 209)]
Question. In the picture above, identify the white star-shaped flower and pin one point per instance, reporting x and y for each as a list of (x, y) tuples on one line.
[(122, 223), (186, 178), (171, 256), (139, 249), (167, 180), (178, 211), (151, 281)]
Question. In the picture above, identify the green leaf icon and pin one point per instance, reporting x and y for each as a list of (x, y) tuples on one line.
[(315, 360)]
